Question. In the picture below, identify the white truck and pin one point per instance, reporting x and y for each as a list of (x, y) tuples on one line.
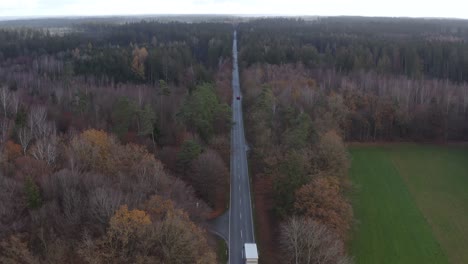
[(250, 253)]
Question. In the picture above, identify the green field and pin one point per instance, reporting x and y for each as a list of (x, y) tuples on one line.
[(410, 204)]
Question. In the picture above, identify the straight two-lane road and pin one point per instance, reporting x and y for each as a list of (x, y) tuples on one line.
[(240, 211)]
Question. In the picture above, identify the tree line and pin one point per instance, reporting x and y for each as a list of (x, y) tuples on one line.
[(174, 50), (419, 96), (411, 47)]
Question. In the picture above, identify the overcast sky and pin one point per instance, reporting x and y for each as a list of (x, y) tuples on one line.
[(408, 8)]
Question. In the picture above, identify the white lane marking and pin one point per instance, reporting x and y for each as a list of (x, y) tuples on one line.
[(240, 215), (239, 187), (241, 233)]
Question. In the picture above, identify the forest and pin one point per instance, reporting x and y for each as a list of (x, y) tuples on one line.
[(312, 85), (114, 142), (115, 136)]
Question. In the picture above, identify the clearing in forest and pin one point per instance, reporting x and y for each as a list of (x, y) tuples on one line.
[(410, 204)]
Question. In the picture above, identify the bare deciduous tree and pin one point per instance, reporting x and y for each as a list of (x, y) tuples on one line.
[(45, 129), (305, 241), (46, 149), (25, 136), (10, 207), (103, 203), (4, 130), (37, 120), (5, 100), (15, 103), (73, 205)]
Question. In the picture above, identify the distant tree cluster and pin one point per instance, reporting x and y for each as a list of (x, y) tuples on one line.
[(393, 79), (372, 107), (411, 47), (134, 52)]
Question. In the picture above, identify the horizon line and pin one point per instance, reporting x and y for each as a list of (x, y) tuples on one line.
[(26, 17)]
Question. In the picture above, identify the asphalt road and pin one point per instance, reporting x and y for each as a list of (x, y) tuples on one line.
[(240, 211)]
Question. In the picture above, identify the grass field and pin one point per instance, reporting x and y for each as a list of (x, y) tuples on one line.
[(410, 203), (222, 250)]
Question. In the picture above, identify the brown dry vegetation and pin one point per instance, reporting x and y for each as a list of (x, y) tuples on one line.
[(266, 225), (295, 153)]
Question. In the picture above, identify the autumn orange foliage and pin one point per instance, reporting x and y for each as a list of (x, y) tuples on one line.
[(158, 207), (12, 150), (161, 234), (93, 150), (322, 200), (128, 224), (99, 138), (97, 150), (14, 250)]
